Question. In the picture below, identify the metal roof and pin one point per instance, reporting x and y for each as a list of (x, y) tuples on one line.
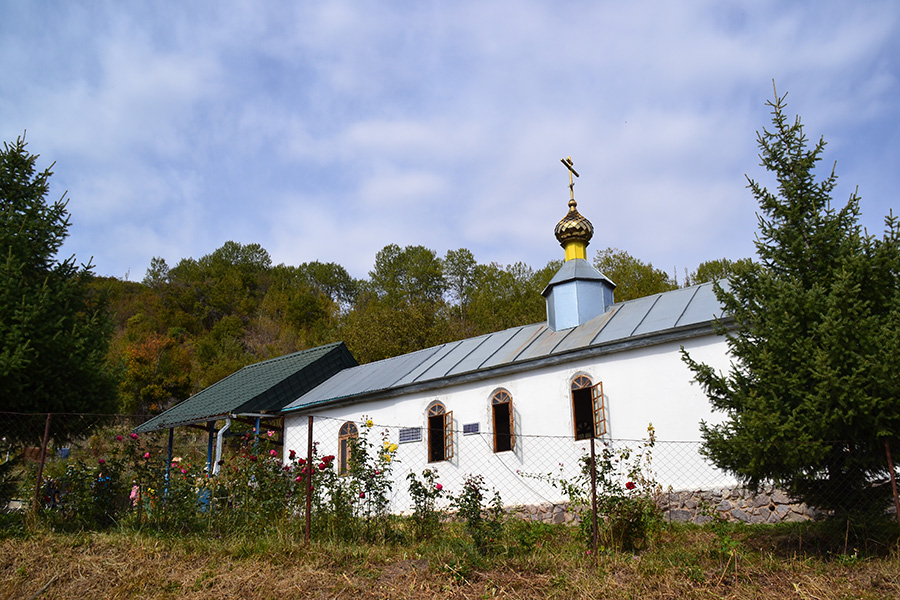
[(576, 269), (265, 386), (681, 313)]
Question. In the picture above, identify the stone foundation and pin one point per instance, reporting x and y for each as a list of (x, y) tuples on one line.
[(735, 504), (700, 506)]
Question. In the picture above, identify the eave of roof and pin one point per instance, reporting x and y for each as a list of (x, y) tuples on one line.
[(670, 316)]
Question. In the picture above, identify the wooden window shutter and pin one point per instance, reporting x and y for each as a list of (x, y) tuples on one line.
[(448, 435), (599, 410), (512, 430)]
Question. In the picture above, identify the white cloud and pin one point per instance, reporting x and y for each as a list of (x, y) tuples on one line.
[(339, 127)]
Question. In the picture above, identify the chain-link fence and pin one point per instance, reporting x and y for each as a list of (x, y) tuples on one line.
[(532, 474)]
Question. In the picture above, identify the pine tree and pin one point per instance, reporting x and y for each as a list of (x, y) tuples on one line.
[(54, 331), (811, 399)]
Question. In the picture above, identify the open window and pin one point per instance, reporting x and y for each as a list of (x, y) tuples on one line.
[(588, 408), (501, 409), (345, 446), (440, 433)]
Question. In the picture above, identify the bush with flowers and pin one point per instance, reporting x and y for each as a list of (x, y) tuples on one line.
[(253, 487), (629, 516), (425, 492), (92, 492), (355, 504), (483, 523)]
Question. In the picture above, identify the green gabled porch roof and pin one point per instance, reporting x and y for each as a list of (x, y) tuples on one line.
[(263, 387)]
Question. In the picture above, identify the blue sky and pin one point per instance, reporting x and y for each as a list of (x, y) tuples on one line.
[(326, 130)]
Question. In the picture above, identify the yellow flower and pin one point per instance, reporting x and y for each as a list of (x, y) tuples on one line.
[(392, 447), (369, 423)]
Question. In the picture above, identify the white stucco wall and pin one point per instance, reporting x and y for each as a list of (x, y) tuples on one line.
[(641, 386)]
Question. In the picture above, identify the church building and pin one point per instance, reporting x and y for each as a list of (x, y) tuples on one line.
[(516, 404)]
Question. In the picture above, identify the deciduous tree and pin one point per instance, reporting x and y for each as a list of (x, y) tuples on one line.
[(633, 277)]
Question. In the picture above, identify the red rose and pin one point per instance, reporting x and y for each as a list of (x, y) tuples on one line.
[(252, 458), (630, 485), (292, 455)]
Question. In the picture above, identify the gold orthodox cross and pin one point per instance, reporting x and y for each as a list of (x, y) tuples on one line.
[(568, 162)]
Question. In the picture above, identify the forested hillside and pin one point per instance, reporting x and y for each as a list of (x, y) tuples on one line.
[(187, 326)]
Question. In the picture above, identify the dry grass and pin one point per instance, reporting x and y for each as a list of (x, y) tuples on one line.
[(688, 563)]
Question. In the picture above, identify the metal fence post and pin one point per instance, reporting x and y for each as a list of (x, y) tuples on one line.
[(887, 449), (594, 532), (309, 478), (169, 460), (209, 448), (40, 474)]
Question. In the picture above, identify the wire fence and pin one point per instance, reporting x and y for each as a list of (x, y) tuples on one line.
[(532, 474)]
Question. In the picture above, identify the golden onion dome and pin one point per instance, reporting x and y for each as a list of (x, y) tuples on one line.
[(574, 227)]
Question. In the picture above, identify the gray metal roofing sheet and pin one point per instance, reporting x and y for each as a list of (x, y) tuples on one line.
[(704, 306), (544, 344), (517, 344), (665, 312), (583, 336), (370, 377), (453, 358), (643, 318), (482, 348), (414, 374), (626, 320)]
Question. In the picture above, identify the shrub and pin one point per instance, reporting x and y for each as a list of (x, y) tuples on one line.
[(425, 492), (629, 517), (483, 523)]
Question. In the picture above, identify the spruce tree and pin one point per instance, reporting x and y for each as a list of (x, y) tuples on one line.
[(54, 330), (811, 399)]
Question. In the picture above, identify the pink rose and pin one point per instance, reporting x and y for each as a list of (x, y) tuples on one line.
[(118, 438), (438, 487), (101, 462), (146, 455), (273, 452), (362, 494), (134, 436)]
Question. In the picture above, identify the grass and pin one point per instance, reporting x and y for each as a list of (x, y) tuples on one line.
[(797, 561)]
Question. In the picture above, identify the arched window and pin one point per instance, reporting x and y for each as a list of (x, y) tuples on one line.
[(348, 431), (588, 410), (440, 433), (501, 409)]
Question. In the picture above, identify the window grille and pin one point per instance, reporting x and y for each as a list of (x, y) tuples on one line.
[(410, 434)]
